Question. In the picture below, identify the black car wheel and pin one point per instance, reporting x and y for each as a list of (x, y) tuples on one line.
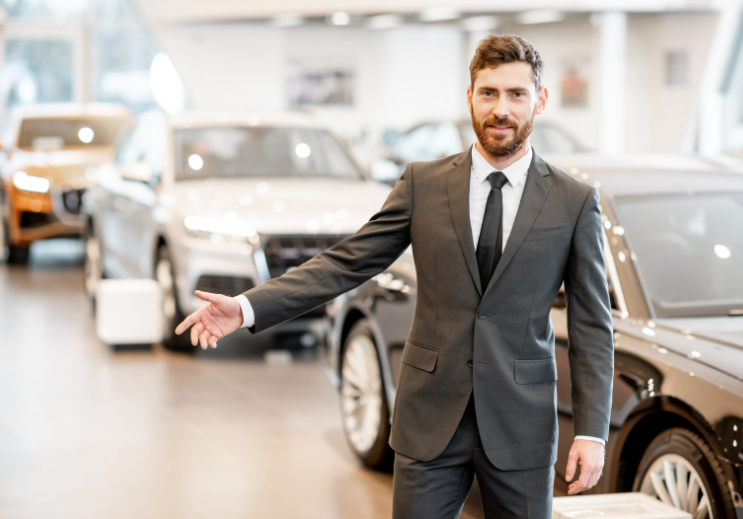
[(364, 408), (680, 469), (93, 270), (10, 252), (172, 315)]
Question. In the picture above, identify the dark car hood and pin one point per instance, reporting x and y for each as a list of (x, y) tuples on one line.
[(714, 341)]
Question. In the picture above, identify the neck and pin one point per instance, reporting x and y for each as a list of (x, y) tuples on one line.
[(501, 163)]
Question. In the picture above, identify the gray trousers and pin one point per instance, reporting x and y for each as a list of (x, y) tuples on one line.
[(437, 489)]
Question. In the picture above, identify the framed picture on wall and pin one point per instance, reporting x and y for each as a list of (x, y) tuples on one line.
[(319, 85), (574, 84)]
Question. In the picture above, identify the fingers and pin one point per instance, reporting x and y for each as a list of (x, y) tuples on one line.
[(572, 465), (213, 341), (187, 322), (203, 338), (195, 331)]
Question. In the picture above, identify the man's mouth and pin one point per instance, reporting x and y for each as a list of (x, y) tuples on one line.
[(498, 129)]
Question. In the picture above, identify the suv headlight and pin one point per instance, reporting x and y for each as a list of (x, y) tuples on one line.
[(25, 182), (237, 231)]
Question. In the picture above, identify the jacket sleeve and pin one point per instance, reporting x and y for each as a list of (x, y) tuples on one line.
[(345, 266), (590, 335)]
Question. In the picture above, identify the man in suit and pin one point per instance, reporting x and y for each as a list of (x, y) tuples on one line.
[(495, 232)]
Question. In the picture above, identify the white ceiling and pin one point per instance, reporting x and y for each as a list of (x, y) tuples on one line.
[(184, 11)]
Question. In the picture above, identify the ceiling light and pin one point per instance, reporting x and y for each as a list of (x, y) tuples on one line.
[(384, 21), (540, 16), (166, 85), (480, 23), (287, 20), (339, 18), (439, 14)]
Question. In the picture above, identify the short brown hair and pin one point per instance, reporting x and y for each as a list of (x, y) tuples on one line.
[(496, 50)]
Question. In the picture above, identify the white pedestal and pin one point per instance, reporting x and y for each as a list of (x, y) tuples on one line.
[(633, 505), (128, 311)]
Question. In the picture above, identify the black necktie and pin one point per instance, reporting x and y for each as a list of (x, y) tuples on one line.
[(490, 244)]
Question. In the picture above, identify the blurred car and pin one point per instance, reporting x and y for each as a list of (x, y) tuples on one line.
[(674, 254), (222, 202), (51, 156), (435, 140)]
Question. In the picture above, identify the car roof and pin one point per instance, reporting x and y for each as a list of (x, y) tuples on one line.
[(54, 110), (241, 117), (653, 173)]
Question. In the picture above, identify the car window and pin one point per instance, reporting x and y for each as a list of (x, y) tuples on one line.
[(58, 133), (428, 142), (688, 250), (260, 151)]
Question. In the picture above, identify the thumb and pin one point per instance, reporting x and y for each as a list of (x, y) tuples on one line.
[(208, 296), (572, 465)]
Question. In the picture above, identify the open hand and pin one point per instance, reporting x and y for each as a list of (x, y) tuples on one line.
[(221, 316), (590, 455)]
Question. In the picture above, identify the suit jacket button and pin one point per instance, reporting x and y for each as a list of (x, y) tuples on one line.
[(481, 314), (470, 363)]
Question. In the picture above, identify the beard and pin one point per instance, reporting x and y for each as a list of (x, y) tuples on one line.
[(502, 146)]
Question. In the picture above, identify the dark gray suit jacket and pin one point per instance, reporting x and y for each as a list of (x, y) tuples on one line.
[(504, 327)]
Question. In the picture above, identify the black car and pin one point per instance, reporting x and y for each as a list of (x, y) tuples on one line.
[(674, 254)]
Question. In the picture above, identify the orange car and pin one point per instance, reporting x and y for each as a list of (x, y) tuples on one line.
[(52, 153)]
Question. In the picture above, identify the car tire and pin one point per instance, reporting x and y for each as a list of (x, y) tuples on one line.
[(172, 314), (680, 469), (92, 265), (364, 408), (4, 242), (12, 253)]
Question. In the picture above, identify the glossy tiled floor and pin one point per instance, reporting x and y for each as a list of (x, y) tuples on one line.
[(90, 433)]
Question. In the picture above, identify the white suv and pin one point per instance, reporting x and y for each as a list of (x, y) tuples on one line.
[(221, 202)]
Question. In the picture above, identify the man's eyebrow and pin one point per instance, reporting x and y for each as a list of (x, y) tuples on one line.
[(512, 89)]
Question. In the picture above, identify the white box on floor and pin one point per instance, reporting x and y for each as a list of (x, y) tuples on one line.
[(128, 311), (633, 505)]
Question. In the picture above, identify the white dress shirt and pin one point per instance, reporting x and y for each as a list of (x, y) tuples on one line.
[(479, 192)]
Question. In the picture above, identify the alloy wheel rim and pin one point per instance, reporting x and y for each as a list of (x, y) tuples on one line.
[(673, 480), (164, 274), (361, 393), (92, 265)]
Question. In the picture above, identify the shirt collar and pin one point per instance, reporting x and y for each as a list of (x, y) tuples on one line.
[(514, 173)]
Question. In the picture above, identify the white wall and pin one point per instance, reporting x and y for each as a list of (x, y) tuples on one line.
[(415, 73)]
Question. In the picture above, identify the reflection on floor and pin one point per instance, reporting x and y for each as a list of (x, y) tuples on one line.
[(90, 433)]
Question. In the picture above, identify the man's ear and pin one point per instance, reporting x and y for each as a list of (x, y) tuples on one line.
[(542, 100), (469, 97)]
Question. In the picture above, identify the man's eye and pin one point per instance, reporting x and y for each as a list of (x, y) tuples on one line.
[(518, 94)]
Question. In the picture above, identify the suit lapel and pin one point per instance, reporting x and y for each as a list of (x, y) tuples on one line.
[(535, 193), (458, 191)]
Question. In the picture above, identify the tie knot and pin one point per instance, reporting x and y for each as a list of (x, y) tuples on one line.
[(497, 179)]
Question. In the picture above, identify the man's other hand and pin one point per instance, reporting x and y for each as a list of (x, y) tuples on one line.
[(221, 316), (590, 455)]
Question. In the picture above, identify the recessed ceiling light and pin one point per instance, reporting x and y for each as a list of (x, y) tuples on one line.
[(339, 18), (540, 16), (439, 14)]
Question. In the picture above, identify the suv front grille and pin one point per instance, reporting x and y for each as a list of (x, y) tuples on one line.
[(284, 253), (225, 285)]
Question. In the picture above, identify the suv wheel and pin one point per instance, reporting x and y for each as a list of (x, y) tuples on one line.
[(93, 270), (680, 469), (364, 409), (172, 315), (10, 252)]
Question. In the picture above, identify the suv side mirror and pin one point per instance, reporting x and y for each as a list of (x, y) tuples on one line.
[(138, 171)]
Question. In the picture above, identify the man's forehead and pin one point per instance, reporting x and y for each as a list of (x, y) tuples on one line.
[(506, 75)]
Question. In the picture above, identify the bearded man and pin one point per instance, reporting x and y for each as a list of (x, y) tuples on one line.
[(495, 232)]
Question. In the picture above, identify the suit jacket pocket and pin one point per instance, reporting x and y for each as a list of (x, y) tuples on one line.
[(419, 356), (547, 234), (535, 371)]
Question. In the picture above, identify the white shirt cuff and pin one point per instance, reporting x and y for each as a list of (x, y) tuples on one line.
[(248, 314), (591, 438)]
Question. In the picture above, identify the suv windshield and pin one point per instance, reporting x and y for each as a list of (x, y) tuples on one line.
[(54, 134), (689, 250), (230, 152)]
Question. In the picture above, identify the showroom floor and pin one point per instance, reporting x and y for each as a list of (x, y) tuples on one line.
[(86, 432)]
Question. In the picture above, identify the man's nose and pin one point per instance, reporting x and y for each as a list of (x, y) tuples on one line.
[(501, 108)]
